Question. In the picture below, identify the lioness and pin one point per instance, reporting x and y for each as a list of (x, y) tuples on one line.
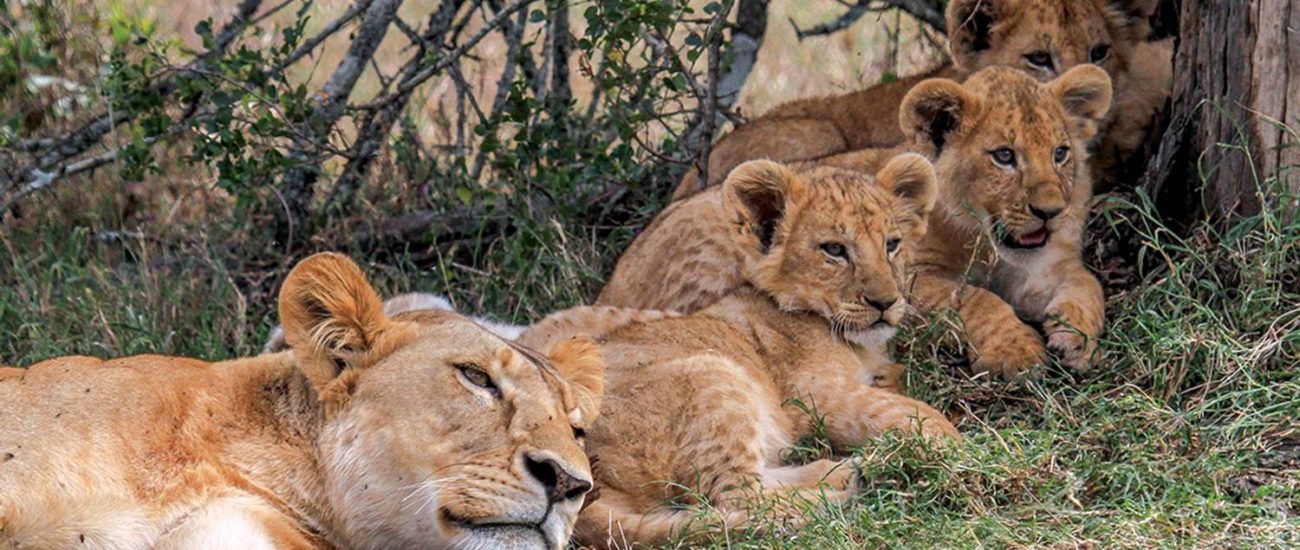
[(704, 406), (1043, 38), (420, 430)]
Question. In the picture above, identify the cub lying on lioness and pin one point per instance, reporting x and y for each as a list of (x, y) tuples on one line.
[(706, 405), (1044, 38), (1014, 187), (420, 430), (688, 258)]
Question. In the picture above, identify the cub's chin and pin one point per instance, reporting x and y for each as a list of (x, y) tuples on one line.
[(874, 336)]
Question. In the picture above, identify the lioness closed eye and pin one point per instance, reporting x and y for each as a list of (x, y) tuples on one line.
[(417, 431)]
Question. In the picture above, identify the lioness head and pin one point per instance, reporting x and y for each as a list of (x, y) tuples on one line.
[(1046, 38), (1010, 152), (831, 241), (434, 431)]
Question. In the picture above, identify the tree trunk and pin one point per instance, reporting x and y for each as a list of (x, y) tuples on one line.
[(1236, 92)]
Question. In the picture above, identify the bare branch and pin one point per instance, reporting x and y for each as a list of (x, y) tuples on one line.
[(746, 39), (331, 100), (929, 12), (376, 125), (451, 57)]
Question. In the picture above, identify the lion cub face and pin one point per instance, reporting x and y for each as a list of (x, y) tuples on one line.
[(831, 241), (436, 432), (1047, 38), (1011, 152)]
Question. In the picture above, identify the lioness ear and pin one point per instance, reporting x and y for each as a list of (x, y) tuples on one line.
[(1085, 92), (970, 29), (757, 196), (932, 111), (329, 311), (911, 178), (579, 362)]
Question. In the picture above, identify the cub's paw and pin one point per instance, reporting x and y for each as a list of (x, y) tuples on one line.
[(845, 476), (1073, 348), (1071, 336), (887, 377), (1010, 351)]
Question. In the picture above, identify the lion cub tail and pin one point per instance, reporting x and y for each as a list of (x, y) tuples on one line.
[(590, 321)]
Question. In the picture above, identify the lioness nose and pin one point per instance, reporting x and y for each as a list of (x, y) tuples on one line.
[(882, 305), (1045, 213), (560, 484)]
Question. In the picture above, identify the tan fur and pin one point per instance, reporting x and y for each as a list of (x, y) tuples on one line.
[(984, 33), (366, 435), (962, 263), (702, 408), (692, 254)]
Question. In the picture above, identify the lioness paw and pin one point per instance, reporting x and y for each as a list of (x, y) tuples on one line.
[(1010, 351)]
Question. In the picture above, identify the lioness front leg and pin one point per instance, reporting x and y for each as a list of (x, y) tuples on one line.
[(1074, 318), (236, 523), (1004, 344)]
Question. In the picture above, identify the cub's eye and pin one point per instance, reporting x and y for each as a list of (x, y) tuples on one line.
[(1040, 60), (1004, 156), (891, 245), (477, 377), (579, 433), (1062, 154), (1099, 53), (835, 250)]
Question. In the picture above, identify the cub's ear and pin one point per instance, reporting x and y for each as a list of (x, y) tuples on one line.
[(933, 111), (971, 24), (757, 195), (329, 311), (910, 177), (579, 361), (1085, 92)]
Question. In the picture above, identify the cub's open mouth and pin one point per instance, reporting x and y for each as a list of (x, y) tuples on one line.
[(1027, 241)]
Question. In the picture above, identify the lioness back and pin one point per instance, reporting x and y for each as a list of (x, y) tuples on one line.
[(83, 440)]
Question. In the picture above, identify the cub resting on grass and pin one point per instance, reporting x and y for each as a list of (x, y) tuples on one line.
[(706, 404), (1043, 38), (1010, 153), (420, 430), (1005, 240)]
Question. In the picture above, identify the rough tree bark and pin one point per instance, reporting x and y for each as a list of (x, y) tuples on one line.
[(1235, 108)]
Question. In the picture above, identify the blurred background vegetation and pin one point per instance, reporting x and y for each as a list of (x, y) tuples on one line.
[(163, 164)]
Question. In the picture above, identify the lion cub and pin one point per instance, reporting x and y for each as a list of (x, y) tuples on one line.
[(1042, 38), (419, 430), (703, 407), (1014, 185)]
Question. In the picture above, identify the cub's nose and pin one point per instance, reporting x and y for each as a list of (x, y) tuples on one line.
[(559, 483), (1045, 214), (882, 305)]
